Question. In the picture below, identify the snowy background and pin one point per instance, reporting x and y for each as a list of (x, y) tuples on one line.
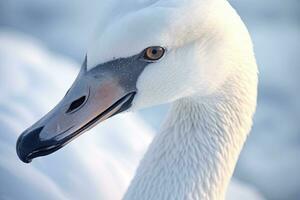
[(40, 39)]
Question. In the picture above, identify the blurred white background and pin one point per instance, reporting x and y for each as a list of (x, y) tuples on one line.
[(53, 33)]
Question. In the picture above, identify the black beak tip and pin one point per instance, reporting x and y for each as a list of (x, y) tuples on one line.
[(23, 156), (26, 144)]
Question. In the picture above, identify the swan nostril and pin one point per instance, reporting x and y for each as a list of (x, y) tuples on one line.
[(76, 104)]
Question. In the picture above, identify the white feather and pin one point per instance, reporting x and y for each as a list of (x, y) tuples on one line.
[(210, 74)]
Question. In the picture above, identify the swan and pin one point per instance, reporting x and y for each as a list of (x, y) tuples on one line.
[(106, 177), (197, 55)]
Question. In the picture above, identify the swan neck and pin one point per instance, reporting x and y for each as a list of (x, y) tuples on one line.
[(195, 153)]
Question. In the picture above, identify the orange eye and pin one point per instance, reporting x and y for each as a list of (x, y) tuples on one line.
[(154, 53)]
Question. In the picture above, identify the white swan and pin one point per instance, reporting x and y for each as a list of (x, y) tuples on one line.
[(103, 178), (202, 61)]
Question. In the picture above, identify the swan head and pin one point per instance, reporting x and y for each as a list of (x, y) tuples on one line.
[(156, 54)]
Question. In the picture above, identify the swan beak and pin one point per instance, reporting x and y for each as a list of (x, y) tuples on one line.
[(96, 95)]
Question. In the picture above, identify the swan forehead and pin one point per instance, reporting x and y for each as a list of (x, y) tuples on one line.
[(128, 36), (167, 25)]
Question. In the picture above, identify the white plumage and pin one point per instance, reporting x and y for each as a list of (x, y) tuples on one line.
[(211, 77), (68, 174), (210, 74)]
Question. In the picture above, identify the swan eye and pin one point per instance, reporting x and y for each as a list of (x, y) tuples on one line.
[(154, 53)]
